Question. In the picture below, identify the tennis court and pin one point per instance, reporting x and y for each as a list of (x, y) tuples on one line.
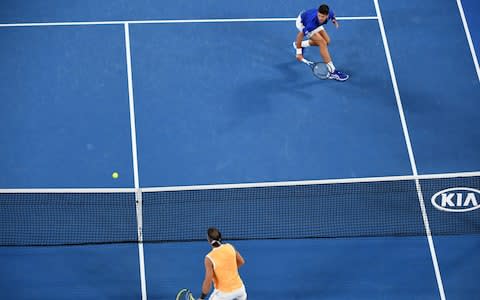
[(325, 187)]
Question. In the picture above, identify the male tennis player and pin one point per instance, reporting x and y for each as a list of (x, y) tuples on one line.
[(310, 24), (221, 267)]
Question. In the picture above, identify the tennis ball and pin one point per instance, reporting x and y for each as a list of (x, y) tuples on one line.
[(114, 175)]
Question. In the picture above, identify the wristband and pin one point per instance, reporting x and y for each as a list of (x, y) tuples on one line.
[(299, 51)]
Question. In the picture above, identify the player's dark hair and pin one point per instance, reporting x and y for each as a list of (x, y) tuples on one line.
[(323, 9), (214, 236)]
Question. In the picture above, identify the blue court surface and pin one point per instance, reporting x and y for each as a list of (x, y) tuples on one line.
[(326, 188)]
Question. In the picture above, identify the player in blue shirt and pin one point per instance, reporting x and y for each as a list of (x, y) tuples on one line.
[(310, 24)]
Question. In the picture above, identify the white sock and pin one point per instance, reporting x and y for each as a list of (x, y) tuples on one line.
[(305, 44), (331, 67)]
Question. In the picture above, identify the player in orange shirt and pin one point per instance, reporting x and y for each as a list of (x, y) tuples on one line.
[(221, 267)]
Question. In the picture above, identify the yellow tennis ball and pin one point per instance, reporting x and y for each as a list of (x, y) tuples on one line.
[(114, 175)]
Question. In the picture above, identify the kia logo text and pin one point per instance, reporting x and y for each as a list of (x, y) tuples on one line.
[(459, 199)]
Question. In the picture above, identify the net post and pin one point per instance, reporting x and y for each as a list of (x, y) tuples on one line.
[(138, 209), (141, 256)]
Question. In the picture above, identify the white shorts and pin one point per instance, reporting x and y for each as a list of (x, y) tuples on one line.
[(300, 26), (239, 294)]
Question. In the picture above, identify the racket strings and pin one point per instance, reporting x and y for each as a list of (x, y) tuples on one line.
[(321, 70)]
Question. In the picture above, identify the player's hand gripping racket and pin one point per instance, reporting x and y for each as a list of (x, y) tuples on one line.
[(319, 69)]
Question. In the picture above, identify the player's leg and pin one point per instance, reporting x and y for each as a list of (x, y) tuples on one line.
[(325, 36), (322, 41), (318, 40)]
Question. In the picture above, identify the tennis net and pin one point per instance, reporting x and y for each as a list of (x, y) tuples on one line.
[(368, 207)]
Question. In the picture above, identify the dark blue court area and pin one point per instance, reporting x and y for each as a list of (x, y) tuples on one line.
[(364, 189)]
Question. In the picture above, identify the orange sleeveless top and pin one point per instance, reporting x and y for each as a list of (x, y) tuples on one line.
[(224, 259)]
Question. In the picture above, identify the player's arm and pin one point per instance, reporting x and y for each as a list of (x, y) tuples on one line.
[(298, 43), (334, 19), (240, 260), (207, 282), (335, 22)]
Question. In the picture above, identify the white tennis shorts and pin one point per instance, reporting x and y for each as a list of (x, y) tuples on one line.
[(239, 294), (300, 26)]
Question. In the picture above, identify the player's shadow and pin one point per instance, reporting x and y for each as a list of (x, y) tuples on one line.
[(287, 81)]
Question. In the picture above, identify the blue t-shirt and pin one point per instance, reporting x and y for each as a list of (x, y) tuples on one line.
[(311, 22)]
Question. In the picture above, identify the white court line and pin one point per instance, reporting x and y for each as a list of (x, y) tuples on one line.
[(138, 192), (410, 153), (308, 182), (133, 130), (469, 38), (244, 185), (67, 190), (170, 21)]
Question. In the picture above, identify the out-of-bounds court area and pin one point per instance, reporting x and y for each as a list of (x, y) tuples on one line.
[(363, 189)]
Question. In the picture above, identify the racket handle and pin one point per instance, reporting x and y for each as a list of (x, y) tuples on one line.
[(305, 61)]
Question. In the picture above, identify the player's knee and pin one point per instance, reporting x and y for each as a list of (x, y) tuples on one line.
[(324, 37), (318, 39)]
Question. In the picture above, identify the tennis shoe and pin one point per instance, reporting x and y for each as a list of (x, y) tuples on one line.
[(338, 75)]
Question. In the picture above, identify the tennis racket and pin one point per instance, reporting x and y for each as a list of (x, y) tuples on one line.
[(319, 69), (184, 294)]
